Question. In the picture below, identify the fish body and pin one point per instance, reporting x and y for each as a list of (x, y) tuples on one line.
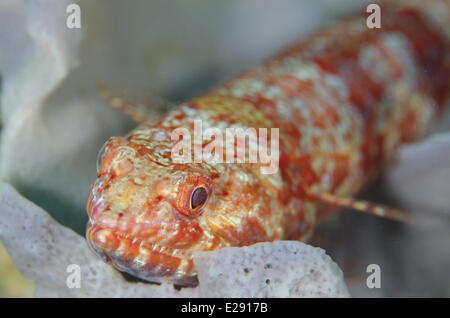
[(343, 100)]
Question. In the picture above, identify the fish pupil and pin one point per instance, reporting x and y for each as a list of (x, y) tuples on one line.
[(198, 197)]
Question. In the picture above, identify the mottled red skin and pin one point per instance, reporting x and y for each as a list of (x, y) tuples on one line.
[(344, 100)]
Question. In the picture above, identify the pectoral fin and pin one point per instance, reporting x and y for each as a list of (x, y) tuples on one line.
[(362, 206)]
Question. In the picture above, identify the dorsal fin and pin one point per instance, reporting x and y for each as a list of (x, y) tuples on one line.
[(140, 112), (363, 206)]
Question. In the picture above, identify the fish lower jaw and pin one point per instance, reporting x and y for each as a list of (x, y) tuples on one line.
[(150, 262)]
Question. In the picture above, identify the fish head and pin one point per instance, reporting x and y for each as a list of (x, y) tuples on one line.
[(147, 216)]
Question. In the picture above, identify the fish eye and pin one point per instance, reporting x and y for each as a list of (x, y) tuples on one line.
[(193, 194), (198, 198)]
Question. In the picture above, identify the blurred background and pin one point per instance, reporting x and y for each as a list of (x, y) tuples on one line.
[(54, 123)]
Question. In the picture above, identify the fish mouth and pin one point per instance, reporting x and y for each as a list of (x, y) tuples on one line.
[(148, 261)]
